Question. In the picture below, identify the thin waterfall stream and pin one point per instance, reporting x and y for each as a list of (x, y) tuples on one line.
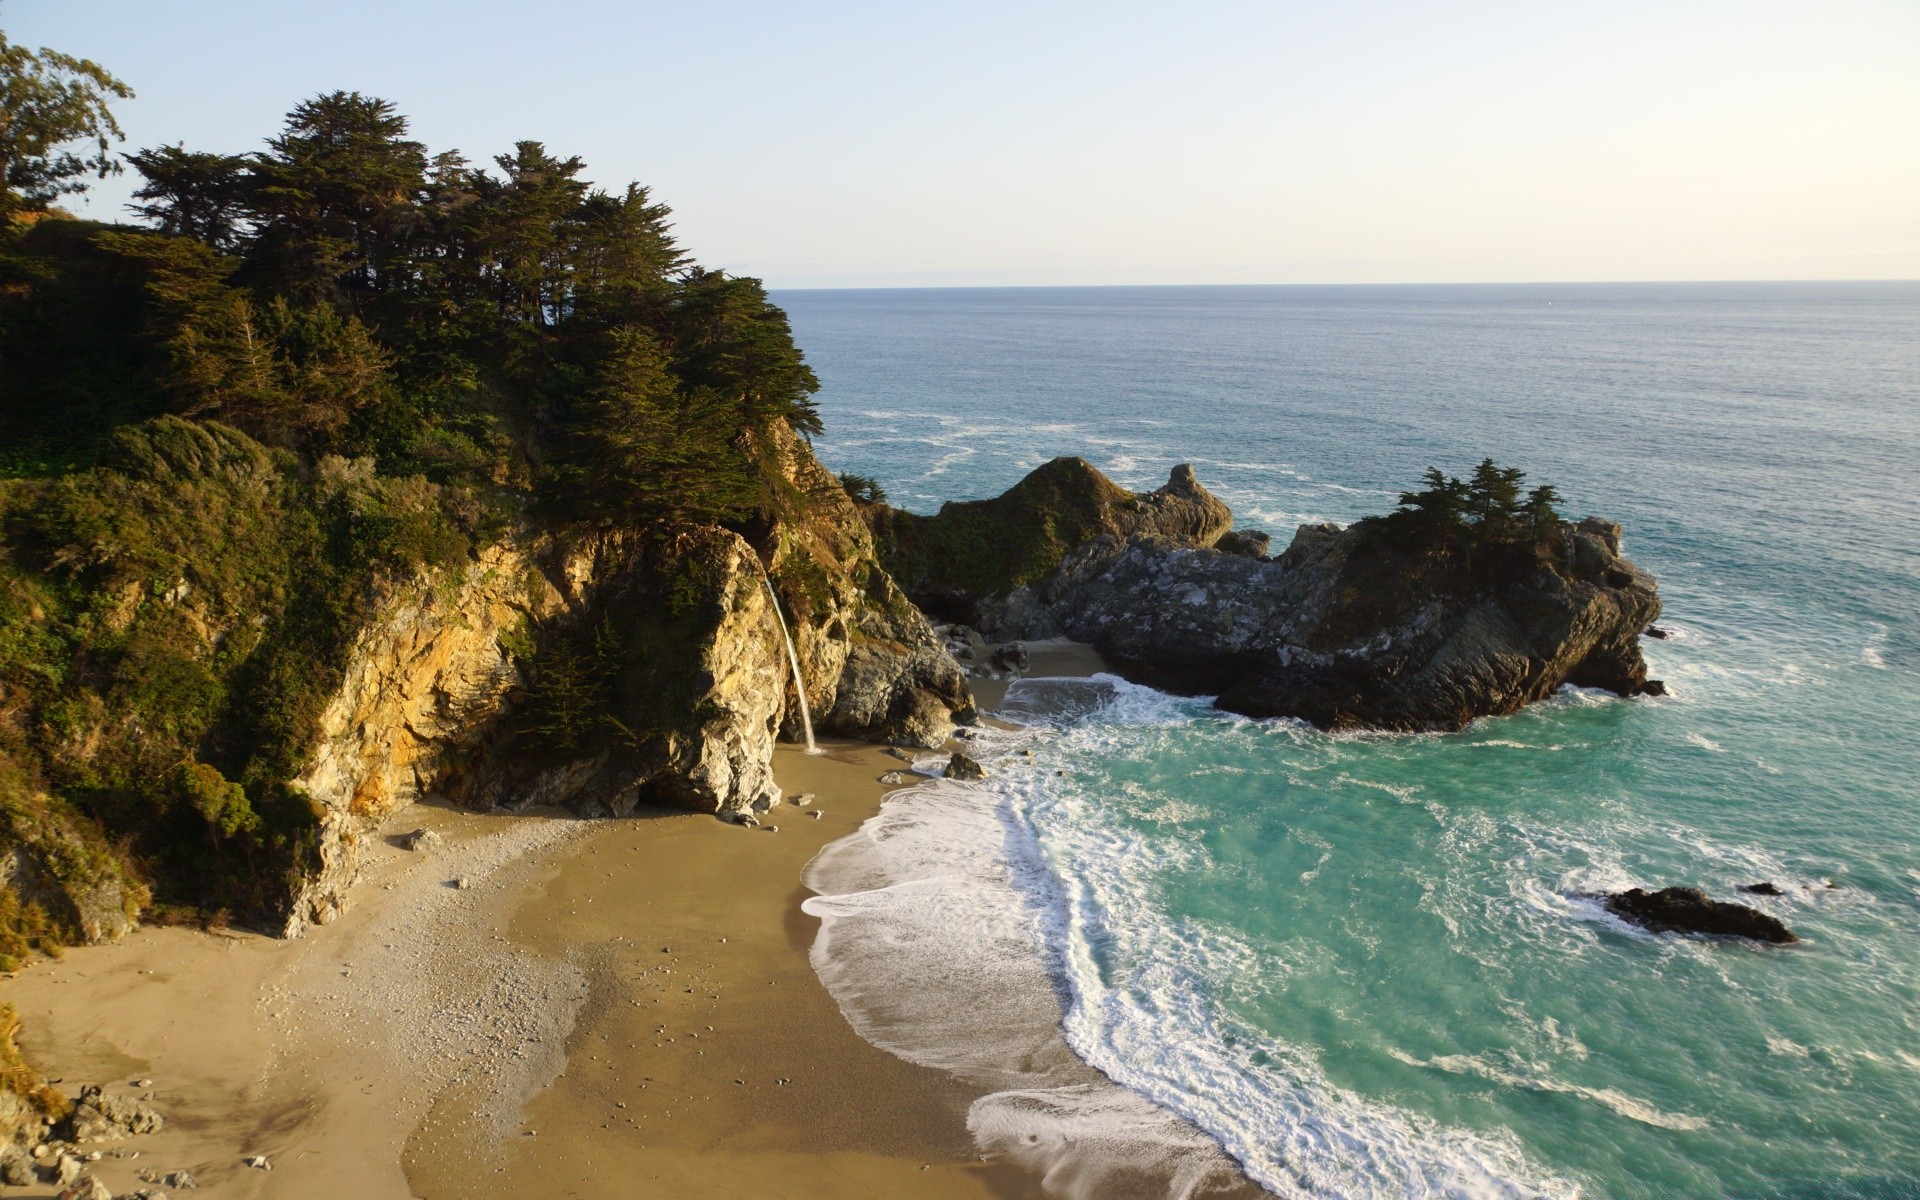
[(793, 660)]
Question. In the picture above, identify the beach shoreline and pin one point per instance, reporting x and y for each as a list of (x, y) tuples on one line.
[(539, 1004), (361, 1059)]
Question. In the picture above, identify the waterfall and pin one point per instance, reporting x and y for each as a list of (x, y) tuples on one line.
[(793, 660)]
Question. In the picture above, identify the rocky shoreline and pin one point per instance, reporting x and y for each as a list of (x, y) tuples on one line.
[(1346, 629)]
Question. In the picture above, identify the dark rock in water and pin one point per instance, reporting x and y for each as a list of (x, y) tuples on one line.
[(1247, 543), (1349, 630), (1652, 687), (1011, 657), (1688, 910), (1655, 632), (962, 767), (1760, 889), (1374, 626)]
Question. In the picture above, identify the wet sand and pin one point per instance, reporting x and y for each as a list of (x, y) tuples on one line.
[(708, 1060)]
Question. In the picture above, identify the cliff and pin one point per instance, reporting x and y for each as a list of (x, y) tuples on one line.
[(1349, 628), (241, 699)]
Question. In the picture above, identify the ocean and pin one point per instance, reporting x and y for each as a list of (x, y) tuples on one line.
[(1363, 965)]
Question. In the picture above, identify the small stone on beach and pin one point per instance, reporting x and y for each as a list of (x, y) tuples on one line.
[(420, 840)]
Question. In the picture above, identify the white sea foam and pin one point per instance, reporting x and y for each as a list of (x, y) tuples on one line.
[(1619, 1102), (1705, 743), (948, 940)]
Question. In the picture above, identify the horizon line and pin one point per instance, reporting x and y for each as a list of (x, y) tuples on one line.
[(1001, 287)]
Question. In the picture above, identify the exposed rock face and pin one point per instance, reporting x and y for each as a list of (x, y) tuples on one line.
[(1347, 628), (873, 665), (696, 683), (424, 685), (1688, 910), (974, 550)]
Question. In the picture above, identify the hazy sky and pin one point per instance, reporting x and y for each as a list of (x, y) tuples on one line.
[(828, 144)]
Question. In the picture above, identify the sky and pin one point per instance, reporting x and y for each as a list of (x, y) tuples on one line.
[(904, 144)]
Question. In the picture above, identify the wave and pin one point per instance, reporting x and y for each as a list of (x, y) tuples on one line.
[(949, 938)]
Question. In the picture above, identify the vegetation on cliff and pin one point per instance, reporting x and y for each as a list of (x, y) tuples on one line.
[(974, 549), (309, 374)]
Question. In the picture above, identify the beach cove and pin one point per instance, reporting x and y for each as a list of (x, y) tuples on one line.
[(535, 1004)]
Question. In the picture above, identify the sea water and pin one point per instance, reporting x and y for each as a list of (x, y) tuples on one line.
[(1363, 965)]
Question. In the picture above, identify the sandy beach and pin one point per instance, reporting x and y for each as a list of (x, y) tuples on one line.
[(540, 1005)]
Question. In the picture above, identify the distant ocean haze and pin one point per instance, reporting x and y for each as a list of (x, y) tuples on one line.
[(1363, 963)]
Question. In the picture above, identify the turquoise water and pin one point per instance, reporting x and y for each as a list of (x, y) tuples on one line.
[(1362, 963)]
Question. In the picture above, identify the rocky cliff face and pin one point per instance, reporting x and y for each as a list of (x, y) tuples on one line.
[(622, 668), (1348, 628), (425, 684)]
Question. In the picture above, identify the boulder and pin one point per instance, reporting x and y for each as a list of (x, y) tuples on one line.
[(1011, 657), (1247, 543), (86, 1187), (962, 767), (1762, 888), (420, 841), (16, 1166), (1689, 910), (99, 1117)]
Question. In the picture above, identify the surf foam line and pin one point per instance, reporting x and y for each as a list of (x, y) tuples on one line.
[(950, 938), (932, 943)]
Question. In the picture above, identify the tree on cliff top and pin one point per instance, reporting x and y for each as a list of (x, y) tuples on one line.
[(48, 101), (1467, 519)]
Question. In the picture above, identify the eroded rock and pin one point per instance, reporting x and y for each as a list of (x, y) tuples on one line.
[(962, 767), (1350, 628), (1689, 910)]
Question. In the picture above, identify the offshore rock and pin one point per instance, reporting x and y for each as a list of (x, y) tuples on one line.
[(977, 550), (1688, 910), (1350, 628)]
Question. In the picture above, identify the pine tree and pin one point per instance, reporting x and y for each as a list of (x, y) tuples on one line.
[(335, 197), (1493, 497), (193, 195)]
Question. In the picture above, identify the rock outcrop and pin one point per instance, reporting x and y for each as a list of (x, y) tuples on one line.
[(1689, 910), (976, 550), (1349, 628)]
